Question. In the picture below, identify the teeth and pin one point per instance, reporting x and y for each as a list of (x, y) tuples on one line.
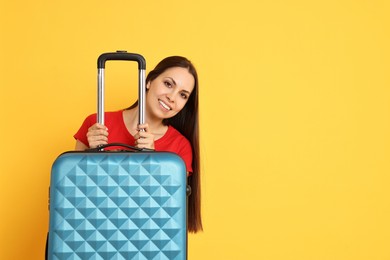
[(164, 105)]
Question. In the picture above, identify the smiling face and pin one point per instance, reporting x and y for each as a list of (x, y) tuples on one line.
[(168, 93)]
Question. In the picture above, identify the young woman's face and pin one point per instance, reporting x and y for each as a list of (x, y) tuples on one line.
[(169, 92)]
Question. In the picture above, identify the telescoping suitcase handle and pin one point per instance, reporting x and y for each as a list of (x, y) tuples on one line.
[(124, 56)]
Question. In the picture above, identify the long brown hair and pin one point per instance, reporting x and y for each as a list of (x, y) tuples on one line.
[(187, 123)]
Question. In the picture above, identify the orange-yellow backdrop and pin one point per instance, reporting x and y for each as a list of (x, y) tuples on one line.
[(295, 116)]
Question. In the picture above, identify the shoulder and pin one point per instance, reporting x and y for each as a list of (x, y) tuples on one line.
[(172, 133), (173, 141)]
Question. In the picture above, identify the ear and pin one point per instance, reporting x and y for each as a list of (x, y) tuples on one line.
[(148, 85)]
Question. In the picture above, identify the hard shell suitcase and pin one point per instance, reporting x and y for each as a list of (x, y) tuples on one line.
[(118, 204)]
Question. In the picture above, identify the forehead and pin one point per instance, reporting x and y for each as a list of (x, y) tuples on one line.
[(182, 77)]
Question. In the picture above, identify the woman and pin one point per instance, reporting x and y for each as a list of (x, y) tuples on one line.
[(172, 124)]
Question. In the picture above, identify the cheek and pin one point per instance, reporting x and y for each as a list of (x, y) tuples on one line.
[(181, 104)]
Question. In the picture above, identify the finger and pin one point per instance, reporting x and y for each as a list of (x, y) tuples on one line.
[(99, 142), (96, 130), (144, 127), (98, 138), (97, 126), (99, 132), (144, 146), (142, 134), (96, 144), (143, 141)]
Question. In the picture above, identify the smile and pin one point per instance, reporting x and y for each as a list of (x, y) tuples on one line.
[(164, 105)]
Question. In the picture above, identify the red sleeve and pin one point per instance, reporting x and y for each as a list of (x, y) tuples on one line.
[(174, 141), (81, 134)]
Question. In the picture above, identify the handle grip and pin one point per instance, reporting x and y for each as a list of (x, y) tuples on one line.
[(121, 55), (101, 147)]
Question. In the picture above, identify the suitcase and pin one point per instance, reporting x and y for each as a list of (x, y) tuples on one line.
[(128, 204)]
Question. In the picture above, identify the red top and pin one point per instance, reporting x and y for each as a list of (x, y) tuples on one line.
[(171, 141)]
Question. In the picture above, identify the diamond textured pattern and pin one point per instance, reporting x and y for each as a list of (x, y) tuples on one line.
[(118, 206)]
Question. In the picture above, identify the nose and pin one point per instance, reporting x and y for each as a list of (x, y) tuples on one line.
[(170, 97)]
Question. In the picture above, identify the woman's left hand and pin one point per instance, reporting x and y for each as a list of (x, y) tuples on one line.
[(144, 138)]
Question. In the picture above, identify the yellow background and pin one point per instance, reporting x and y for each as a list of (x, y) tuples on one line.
[(294, 106)]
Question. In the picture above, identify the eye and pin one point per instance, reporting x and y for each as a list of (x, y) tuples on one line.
[(168, 84), (184, 95)]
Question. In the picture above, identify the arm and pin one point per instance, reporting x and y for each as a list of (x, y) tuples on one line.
[(80, 146)]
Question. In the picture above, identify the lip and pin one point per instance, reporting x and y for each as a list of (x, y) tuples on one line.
[(164, 105)]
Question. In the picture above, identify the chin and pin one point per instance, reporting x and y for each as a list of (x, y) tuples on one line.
[(170, 115)]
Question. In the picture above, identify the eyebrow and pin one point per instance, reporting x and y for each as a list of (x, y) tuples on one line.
[(174, 82)]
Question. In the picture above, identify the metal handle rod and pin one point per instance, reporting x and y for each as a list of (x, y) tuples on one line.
[(141, 97), (100, 105)]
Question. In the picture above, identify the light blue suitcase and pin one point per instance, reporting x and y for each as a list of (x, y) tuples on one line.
[(118, 205)]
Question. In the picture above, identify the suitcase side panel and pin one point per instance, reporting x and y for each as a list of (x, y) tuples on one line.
[(118, 206)]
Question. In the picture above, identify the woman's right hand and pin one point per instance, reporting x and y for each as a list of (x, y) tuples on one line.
[(97, 135)]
